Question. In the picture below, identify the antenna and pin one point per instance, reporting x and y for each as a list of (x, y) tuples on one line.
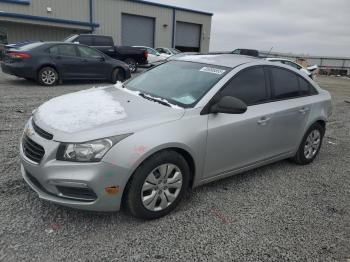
[(269, 51)]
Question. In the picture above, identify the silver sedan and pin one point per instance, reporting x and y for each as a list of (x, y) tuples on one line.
[(182, 124)]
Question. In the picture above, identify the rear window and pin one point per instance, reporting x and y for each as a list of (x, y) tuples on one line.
[(85, 40), (30, 46), (103, 41)]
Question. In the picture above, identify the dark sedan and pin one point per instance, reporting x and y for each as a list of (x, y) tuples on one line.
[(52, 62)]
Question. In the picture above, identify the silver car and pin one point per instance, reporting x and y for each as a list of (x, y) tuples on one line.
[(185, 123)]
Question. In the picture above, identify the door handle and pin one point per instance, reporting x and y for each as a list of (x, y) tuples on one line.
[(263, 121), (304, 110)]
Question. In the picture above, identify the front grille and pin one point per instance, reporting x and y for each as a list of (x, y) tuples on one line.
[(82, 194), (32, 150), (42, 132)]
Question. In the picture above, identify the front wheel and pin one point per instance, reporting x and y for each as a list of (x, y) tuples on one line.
[(310, 145), (158, 185), (132, 64), (117, 75), (48, 76)]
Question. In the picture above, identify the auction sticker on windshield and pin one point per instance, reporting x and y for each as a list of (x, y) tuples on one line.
[(212, 70)]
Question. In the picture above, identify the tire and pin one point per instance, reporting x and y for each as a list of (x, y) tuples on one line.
[(148, 196), (132, 64), (310, 145), (48, 76), (117, 75)]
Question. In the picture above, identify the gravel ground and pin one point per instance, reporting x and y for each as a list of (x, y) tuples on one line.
[(275, 213)]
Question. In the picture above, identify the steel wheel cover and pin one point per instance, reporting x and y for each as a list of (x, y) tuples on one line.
[(312, 144), (161, 187)]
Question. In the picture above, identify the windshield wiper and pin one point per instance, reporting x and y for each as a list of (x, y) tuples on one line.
[(154, 99)]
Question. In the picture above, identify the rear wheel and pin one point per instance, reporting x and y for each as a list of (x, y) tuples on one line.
[(132, 64), (117, 75), (158, 185), (48, 76), (310, 145)]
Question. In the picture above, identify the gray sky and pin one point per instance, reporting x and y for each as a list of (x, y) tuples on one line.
[(318, 27)]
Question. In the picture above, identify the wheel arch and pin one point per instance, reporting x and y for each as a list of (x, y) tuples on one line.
[(322, 121), (183, 152)]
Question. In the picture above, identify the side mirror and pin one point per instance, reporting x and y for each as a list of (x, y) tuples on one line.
[(76, 42), (229, 105)]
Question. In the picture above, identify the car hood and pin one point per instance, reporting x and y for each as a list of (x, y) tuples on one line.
[(101, 112)]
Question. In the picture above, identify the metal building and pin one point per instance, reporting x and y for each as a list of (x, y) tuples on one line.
[(130, 22)]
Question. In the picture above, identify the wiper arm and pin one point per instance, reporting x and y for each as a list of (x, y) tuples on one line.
[(154, 99)]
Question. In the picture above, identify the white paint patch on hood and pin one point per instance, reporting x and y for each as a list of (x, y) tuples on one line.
[(80, 111)]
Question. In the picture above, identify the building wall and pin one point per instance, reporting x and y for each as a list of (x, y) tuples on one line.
[(108, 14), (20, 32), (77, 10), (204, 20)]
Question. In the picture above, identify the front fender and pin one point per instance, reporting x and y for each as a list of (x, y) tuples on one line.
[(189, 135)]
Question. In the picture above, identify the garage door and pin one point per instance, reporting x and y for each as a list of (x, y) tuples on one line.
[(137, 30), (188, 37)]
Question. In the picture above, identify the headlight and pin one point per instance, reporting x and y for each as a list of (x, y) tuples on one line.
[(91, 151)]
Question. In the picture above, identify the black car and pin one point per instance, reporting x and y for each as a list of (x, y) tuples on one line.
[(133, 56), (51, 62)]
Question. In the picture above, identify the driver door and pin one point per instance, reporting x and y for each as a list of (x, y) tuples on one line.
[(238, 140), (93, 63)]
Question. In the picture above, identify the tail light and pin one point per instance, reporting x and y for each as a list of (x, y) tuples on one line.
[(18, 55), (145, 54)]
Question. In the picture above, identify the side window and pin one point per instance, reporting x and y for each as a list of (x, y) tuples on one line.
[(306, 89), (85, 40), (64, 50), (103, 41), (54, 51), (87, 52), (249, 86), (285, 83)]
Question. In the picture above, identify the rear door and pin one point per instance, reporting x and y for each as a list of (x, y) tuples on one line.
[(67, 60), (93, 64), (290, 110)]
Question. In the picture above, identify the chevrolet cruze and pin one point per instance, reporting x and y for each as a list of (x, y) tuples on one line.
[(187, 122)]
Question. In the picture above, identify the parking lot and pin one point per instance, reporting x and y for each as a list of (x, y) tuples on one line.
[(279, 212)]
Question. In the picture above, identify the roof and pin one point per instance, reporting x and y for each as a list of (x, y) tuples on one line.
[(172, 7), (277, 59), (227, 60)]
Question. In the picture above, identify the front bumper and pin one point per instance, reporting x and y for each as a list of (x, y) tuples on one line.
[(55, 180)]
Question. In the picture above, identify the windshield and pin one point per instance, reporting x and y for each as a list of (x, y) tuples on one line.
[(69, 39), (179, 82), (174, 51)]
